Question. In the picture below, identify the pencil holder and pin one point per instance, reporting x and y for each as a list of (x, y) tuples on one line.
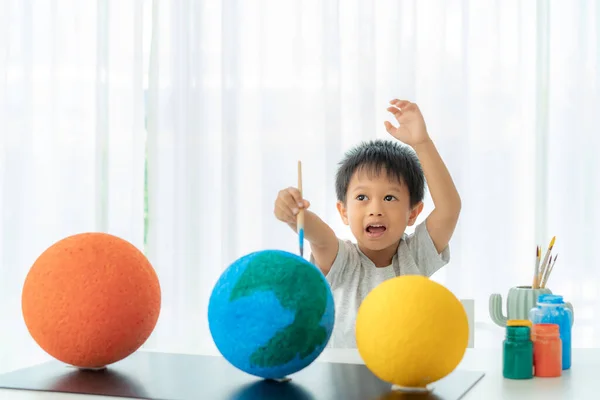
[(520, 300)]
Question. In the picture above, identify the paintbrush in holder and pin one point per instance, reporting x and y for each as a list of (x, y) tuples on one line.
[(521, 299), (544, 268)]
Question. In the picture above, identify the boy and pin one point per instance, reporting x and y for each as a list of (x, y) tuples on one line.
[(380, 189)]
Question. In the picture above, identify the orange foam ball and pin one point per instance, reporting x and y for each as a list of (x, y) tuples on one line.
[(91, 299)]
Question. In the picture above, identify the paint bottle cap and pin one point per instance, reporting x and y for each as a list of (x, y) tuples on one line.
[(546, 330), (518, 333), (550, 299), (518, 322)]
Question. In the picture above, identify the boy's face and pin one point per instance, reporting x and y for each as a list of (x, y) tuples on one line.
[(377, 210)]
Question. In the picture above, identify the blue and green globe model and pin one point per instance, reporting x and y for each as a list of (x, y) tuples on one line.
[(271, 313)]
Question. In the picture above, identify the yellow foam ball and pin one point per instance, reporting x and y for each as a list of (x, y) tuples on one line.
[(411, 331)]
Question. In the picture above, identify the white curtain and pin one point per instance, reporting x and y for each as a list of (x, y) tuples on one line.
[(71, 137), (233, 93), (572, 165), (238, 91)]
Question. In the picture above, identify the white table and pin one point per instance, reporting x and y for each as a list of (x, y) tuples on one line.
[(581, 382)]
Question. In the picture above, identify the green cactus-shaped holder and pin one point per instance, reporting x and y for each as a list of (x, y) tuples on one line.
[(520, 300)]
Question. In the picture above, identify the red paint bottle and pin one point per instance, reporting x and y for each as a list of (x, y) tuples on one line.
[(547, 350)]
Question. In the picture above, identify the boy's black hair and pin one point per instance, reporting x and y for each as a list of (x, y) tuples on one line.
[(399, 161)]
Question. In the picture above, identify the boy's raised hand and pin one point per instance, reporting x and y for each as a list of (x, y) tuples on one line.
[(412, 129), (287, 205)]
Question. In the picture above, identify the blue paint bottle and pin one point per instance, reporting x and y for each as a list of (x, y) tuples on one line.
[(551, 309)]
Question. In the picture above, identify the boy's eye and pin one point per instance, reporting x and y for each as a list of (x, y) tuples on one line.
[(361, 197), (389, 197)]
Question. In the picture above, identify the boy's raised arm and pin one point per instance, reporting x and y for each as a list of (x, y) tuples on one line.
[(447, 204), (322, 239), (444, 217)]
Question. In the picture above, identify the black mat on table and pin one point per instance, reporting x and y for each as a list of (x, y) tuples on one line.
[(166, 376)]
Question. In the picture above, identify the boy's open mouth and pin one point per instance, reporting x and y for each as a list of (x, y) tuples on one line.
[(375, 230)]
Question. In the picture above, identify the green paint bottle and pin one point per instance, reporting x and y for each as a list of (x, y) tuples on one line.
[(517, 358)]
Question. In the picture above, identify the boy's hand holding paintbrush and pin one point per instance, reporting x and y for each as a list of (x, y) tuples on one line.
[(292, 208)]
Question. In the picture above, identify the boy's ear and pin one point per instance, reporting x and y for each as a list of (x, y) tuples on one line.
[(414, 213), (343, 212)]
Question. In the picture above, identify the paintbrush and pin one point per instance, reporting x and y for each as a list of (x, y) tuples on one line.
[(549, 271), (300, 217), (545, 273), (536, 272), (545, 262)]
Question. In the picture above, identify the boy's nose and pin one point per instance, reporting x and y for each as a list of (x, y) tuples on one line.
[(375, 211)]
